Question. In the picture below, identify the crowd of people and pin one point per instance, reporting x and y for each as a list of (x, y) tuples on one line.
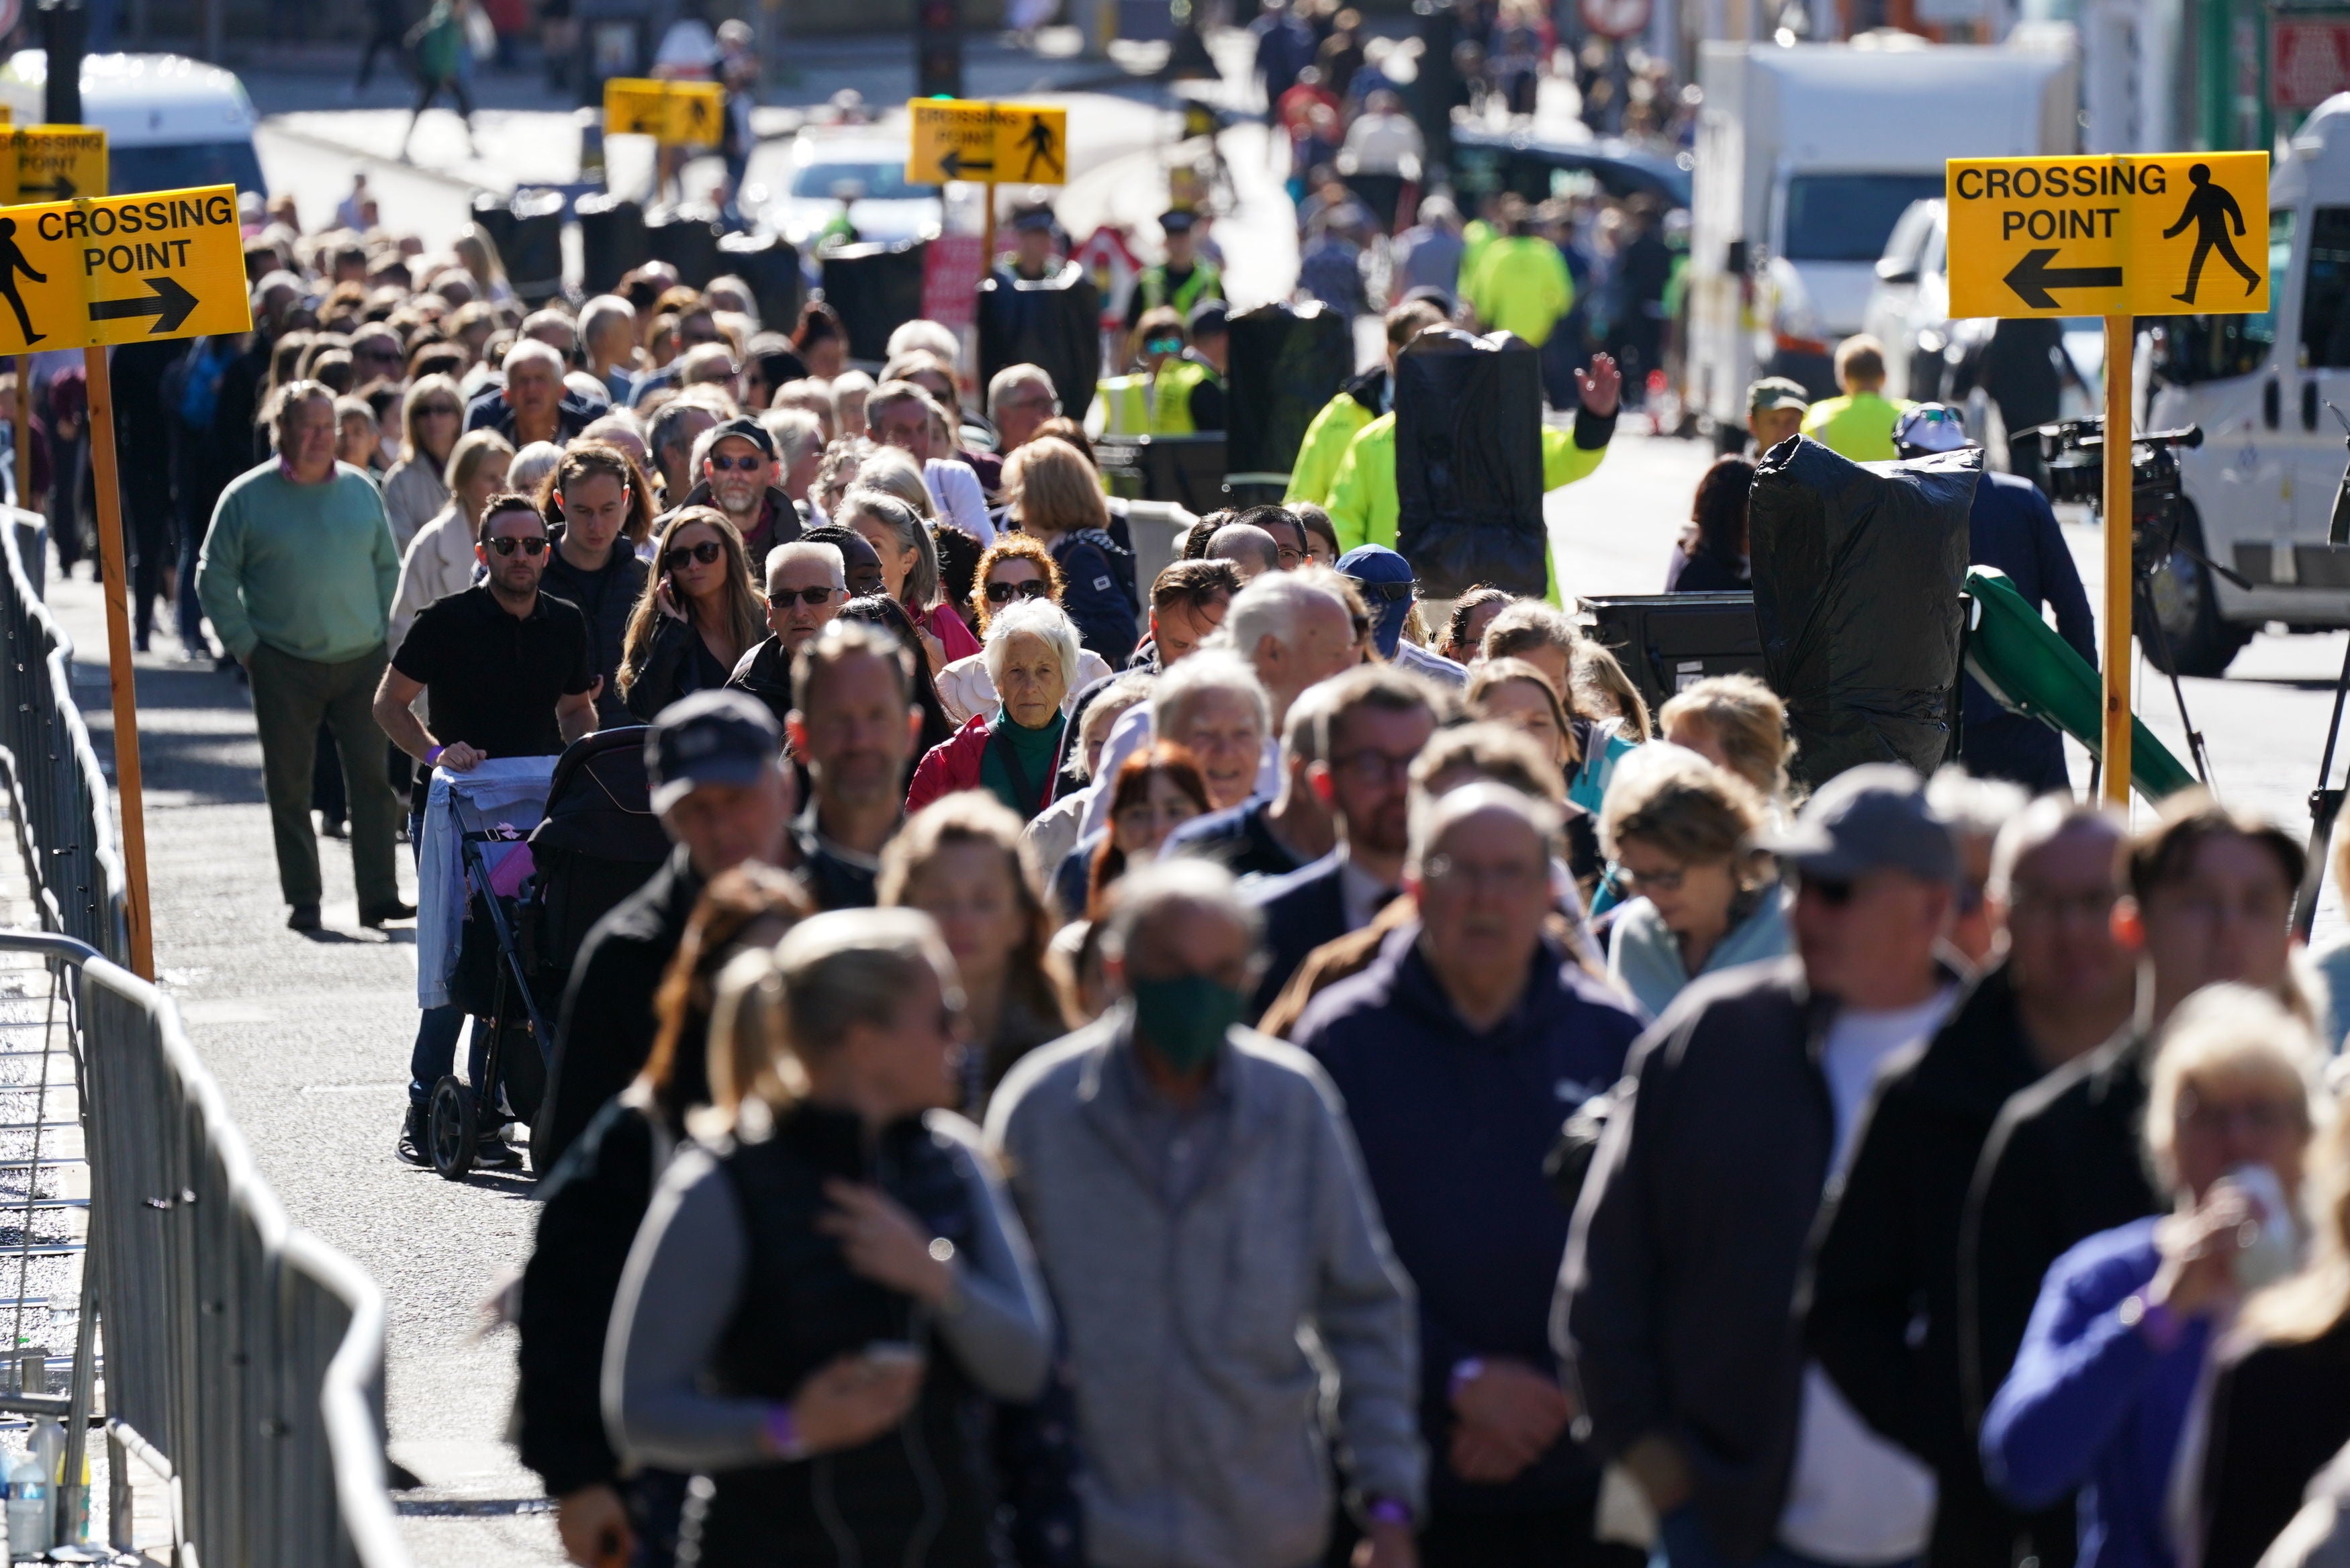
[(1253, 1066)]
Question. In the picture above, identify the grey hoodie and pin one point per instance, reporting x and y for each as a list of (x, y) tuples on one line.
[(1204, 1335)]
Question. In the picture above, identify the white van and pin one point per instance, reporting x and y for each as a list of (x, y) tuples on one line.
[(170, 122), (2261, 488)]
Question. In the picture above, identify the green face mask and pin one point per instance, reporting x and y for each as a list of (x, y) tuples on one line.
[(1184, 1018)]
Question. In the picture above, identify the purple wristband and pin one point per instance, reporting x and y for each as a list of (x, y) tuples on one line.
[(1388, 1510), (2160, 1326), (432, 757), (1465, 1371), (781, 1432)]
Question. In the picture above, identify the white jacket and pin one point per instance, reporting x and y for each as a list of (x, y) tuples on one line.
[(440, 563)]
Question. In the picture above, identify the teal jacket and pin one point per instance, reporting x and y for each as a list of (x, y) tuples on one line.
[(309, 569)]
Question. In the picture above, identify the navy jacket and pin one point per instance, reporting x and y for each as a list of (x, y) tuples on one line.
[(1453, 1128), (2010, 527), (1237, 840), (1095, 595), (1301, 911)]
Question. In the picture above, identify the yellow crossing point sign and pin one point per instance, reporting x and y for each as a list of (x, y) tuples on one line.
[(52, 163), (676, 114), (991, 143), (2173, 233), (115, 269)]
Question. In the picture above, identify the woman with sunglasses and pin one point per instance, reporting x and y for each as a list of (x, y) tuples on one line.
[(439, 560), (1032, 657), (431, 416), (698, 615), (1680, 832), (1015, 570)]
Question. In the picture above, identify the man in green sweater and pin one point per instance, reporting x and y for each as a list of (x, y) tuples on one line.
[(297, 577)]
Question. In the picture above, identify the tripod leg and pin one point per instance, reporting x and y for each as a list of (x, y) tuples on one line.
[(2324, 807), (2153, 623)]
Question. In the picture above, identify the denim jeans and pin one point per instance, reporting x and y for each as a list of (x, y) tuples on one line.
[(437, 1028), (1682, 1542)]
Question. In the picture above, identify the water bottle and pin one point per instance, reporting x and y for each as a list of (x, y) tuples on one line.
[(29, 1498)]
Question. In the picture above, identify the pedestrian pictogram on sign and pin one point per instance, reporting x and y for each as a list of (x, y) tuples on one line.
[(2129, 235), (675, 114), (991, 143), (83, 274), (51, 163)]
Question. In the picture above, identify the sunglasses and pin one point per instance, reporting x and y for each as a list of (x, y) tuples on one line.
[(706, 552), (439, 411), (1162, 346), (1835, 892), (809, 597), (529, 544), (1004, 593), (1392, 593), (746, 464)]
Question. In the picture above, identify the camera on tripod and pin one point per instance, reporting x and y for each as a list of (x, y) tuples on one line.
[(2072, 461)]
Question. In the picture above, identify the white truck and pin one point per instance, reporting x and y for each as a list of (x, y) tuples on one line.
[(2261, 489), (1807, 155)]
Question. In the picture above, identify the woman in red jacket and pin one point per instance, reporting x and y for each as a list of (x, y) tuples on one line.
[(1032, 657)]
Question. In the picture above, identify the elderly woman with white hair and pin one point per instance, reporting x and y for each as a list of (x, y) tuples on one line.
[(2110, 1394), (1032, 658)]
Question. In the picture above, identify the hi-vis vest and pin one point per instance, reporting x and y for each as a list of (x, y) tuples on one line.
[(1176, 378), (1125, 404), (1153, 283)]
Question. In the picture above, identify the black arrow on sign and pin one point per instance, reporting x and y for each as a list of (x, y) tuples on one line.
[(955, 164), (60, 188), (2032, 277), (169, 305)]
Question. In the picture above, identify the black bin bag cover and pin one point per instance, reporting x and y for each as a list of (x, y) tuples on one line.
[(1469, 462), (1054, 322), (1857, 569), (1287, 361), (875, 287)]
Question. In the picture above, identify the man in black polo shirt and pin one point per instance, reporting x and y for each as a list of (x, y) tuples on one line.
[(593, 566), (505, 672)]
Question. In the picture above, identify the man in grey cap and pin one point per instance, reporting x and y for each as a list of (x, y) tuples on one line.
[(1776, 407), (1674, 1309), (716, 764)]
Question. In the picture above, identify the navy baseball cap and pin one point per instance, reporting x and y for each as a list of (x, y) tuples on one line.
[(1030, 220), (710, 738), (1386, 580), (1179, 220), (1208, 318), (1869, 818)]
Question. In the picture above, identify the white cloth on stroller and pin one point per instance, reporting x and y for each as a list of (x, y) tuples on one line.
[(509, 792)]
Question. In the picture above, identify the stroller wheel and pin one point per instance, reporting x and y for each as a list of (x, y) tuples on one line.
[(450, 1125)]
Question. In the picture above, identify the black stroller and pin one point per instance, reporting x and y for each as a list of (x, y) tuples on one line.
[(597, 842)]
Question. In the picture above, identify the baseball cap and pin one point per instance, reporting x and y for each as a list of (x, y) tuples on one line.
[(1029, 220), (1929, 427), (1776, 392), (749, 429), (719, 737), (1179, 220), (1208, 318), (1381, 572), (1869, 818)]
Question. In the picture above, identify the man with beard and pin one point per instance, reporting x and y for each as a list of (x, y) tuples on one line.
[(854, 723), (735, 469)]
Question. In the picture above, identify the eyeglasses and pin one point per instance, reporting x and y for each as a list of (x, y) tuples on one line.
[(2257, 1117), (1369, 766), (1517, 878), (746, 464), (1653, 881), (706, 552), (1291, 556), (529, 544), (1002, 593), (810, 597)]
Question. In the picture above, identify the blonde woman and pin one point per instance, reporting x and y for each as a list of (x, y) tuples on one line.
[(788, 1298), (439, 559), (1733, 722), (1050, 489), (431, 416)]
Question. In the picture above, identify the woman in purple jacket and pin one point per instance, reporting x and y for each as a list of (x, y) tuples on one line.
[(2108, 1395)]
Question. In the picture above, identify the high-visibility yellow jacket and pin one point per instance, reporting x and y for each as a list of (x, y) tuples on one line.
[(1126, 404), (1521, 286), (1171, 400), (1477, 237), (1363, 504), (1858, 426), (1327, 438), (1202, 282)]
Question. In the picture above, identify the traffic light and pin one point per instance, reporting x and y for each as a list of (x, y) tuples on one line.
[(938, 48)]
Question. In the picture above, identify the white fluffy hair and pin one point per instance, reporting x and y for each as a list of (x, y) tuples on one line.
[(1038, 618)]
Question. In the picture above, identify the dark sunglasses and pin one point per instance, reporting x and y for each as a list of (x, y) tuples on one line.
[(529, 544), (1004, 593), (1393, 593), (709, 550), (1835, 892), (810, 597), (745, 464)]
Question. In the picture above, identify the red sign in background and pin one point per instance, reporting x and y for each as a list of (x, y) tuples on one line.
[(2309, 61), (951, 273)]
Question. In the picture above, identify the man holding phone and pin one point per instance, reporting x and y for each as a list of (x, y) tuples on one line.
[(505, 672)]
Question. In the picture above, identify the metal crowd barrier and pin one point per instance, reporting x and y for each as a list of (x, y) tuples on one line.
[(235, 1359)]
